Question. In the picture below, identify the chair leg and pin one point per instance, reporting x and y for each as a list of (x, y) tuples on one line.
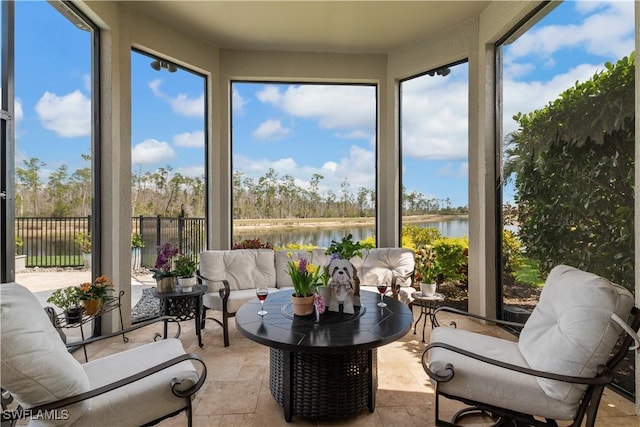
[(189, 413), (225, 328)]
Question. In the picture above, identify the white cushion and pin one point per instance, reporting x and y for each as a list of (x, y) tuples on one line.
[(242, 268), (315, 256), (142, 401), (35, 364), (384, 263), (570, 331), (490, 384)]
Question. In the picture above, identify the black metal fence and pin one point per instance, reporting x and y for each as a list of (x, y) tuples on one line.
[(49, 242)]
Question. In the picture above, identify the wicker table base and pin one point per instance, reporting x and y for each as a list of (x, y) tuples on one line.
[(324, 386)]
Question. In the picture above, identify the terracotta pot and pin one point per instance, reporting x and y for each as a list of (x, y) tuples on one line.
[(91, 306), (302, 306), (166, 285)]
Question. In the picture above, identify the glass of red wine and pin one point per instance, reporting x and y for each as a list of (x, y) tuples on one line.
[(262, 292), (382, 288)]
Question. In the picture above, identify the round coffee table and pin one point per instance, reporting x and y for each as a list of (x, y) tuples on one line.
[(324, 368), (428, 305)]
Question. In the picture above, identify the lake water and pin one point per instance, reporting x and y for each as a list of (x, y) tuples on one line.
[(323, 237)]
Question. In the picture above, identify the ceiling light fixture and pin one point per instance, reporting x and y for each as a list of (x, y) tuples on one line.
[(159, 64), (444, 71)]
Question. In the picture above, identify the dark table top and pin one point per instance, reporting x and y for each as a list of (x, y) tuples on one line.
[(369, 327), (195, 291)]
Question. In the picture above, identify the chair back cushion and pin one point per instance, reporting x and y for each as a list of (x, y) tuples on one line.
[(384, 263), (242, 268), (35, 364), (570, 331)]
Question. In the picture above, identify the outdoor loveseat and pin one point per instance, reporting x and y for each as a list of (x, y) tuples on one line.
[(233, 275)]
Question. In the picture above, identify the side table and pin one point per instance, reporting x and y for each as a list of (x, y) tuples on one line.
[(182, 306), (428, 305)]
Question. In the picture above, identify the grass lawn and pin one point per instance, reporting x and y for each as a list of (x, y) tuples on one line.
[(529, 274)]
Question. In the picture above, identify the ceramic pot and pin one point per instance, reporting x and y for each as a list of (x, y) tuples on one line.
[(428, 289), (91, 306), (324, 292), (73, 316), (166, 285), (302, 306), (185, 284)]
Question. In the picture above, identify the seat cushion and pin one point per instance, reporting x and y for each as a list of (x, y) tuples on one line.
[(213, 301), (142, 401), (490, 384), (570, 331), (35, 364), (242, 268), (384, 263)]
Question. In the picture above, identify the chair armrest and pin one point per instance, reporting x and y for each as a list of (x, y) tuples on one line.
[(604, 375), (224, 292), (175, 382), (477, 316)]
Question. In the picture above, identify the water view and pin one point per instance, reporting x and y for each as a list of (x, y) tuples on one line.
[(322, 237)]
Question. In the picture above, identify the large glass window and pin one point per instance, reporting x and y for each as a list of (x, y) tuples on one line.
[(304, 163), (168, 158), (435, 180), (568, 149)]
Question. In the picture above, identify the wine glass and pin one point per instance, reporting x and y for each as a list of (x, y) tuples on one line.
[(262, 292), (382, 288)]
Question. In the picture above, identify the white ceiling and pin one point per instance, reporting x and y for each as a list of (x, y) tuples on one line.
[(313, 26)]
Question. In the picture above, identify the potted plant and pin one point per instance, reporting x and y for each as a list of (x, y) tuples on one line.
[(83, 242), (305, 278), (94, 294), (163, 270), (345, 249), (21, 260), (426, 269), (67, 300), (185, 270), (136, 250)]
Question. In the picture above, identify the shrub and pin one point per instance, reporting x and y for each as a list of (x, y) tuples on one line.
[(252, 244)]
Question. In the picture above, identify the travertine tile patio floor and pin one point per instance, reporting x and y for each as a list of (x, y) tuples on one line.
[(236, 392)]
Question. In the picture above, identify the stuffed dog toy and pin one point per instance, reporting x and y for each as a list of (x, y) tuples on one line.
[(344, 285)]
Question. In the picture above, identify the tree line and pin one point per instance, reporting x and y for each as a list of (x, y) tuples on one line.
[(168, 193)]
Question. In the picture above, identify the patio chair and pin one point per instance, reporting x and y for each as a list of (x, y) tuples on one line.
[(567, 352), (44, 384)]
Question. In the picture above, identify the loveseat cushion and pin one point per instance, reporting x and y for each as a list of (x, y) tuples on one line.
[(242, 268), (212, 300), (384, 263), (156, 389), (570, 331), (35, 364)]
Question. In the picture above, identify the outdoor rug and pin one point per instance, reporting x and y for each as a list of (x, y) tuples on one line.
[(148, 307)]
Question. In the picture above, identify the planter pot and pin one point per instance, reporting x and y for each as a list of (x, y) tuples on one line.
[(302, 306), (73, 316), (91, 306), (166, 285), (86, 259), (21, 263), (136, 258), (428, 289), (324, 292), (185, 284)]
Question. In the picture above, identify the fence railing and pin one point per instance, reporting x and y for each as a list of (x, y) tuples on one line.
[(49, 242)]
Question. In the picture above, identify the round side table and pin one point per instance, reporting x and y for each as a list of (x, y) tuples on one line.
[(428, 305)]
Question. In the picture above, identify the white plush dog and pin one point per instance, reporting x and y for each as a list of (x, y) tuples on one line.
[(345, 286)]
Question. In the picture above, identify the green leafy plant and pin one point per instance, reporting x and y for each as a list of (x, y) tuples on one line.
[(252, 244), (185, 266), (136, 241), (83, 241), (98, 289), (65, 298), (427, 268), (304, 276), (346, 248)]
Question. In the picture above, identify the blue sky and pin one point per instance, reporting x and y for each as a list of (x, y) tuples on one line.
[(299, 129)]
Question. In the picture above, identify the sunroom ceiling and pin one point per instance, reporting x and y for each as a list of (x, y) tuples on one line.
[(310, 26)]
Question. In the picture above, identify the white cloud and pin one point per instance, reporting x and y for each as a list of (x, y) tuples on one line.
[(18, 111), (238, 102), (606, 32), (456, 171), (151, 151), (346, 107), (190, 139), (270, 130), (181, 104), (69, 116), (195, 171)]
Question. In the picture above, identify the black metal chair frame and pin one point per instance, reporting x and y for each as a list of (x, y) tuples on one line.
[(505, 417), (225, 292), (10, 415)]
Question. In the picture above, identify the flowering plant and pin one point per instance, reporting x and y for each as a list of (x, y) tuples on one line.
[(426, 264), (98, 289), (304, 275), (164, 261)]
